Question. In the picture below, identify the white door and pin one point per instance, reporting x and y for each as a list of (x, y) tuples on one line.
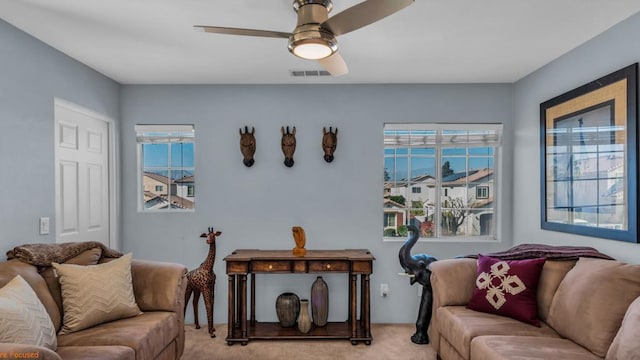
[(82, 175)]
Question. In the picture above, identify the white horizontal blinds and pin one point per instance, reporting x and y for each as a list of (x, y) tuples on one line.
[(421, 135), (409, 138), (162, 134)]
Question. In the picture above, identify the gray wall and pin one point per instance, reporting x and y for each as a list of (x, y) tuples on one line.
[(32, 74), (338, 204), (606, 53)]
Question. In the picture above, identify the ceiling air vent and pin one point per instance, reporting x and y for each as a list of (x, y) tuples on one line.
[(309, 73)]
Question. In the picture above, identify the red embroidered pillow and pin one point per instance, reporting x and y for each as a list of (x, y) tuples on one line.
[(508, 288)]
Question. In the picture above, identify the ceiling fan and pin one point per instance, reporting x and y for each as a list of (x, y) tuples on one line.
[(315, 34)]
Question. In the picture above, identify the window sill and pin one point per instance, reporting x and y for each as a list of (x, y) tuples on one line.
[(167, 211)]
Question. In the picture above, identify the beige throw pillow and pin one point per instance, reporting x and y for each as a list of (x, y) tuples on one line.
[(23, 319), (88, 257), (94, 294)]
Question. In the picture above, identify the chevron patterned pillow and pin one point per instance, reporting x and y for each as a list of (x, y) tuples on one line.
[(94, 294), (24, 319)]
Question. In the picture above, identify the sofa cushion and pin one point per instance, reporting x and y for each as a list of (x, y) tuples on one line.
[(96, 352), (508, 288), (460, 325), (527, 347), (591, 301), (24, 319), (552, 274), (625, 345), (94, 294), (89, 257), (147, 334)]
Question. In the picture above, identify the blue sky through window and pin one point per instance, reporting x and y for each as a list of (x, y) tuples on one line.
[(156, 159)]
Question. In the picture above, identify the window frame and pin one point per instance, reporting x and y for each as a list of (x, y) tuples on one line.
[(442, 190), (188, 137), (485, 191), (389, 218)]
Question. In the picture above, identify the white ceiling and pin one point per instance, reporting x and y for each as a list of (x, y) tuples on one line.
[(431, 41)]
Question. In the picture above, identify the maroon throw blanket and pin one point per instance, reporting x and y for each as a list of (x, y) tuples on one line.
[(532, 251)]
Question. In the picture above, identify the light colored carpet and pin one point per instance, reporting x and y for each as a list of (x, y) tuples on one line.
[(390, 341)]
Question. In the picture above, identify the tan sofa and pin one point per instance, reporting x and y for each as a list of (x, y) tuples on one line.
[(581, 305), (158, 333)]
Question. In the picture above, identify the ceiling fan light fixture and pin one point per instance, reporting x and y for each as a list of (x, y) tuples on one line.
[(312, 50), (313, 45)]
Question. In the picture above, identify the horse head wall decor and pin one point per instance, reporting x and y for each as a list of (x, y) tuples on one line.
[(288, 145), (329, 143), (247, 145)]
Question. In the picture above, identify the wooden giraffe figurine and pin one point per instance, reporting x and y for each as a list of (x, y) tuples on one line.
[(203, 280)]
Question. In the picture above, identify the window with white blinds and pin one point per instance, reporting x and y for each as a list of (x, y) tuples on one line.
[(166, 167), (441, 178)]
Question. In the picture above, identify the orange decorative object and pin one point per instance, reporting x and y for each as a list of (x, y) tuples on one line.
[(300, 239)]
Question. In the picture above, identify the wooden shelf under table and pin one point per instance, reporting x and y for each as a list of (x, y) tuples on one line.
[(273, 330)]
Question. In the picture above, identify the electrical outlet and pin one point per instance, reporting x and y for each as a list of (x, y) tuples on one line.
[(44, 225), (384, 290)]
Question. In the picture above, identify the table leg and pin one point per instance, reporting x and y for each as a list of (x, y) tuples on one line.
[(231, 316), (366, 308), (353, 312), (253, 299), (243, 306), (362, 298), (350, 299)]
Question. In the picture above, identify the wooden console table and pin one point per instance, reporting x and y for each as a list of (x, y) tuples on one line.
[(241, 263)]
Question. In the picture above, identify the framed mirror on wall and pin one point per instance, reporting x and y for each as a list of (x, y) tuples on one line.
[(589, 158)]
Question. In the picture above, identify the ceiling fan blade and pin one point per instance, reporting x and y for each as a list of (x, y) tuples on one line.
[(334, 64), (363, 14), (245, 32)]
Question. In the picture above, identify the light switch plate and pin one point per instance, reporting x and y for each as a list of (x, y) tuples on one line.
[(44, 225)]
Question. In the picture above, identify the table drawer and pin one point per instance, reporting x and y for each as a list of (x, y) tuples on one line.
[(362, 267), (271, 266), (237, 267), (328, 265)]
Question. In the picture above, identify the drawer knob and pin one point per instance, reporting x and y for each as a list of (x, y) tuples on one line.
[(270, 267), (328, 266)]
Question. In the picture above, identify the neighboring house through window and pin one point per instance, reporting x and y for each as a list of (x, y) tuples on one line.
[(441, 178), (166, 167)]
